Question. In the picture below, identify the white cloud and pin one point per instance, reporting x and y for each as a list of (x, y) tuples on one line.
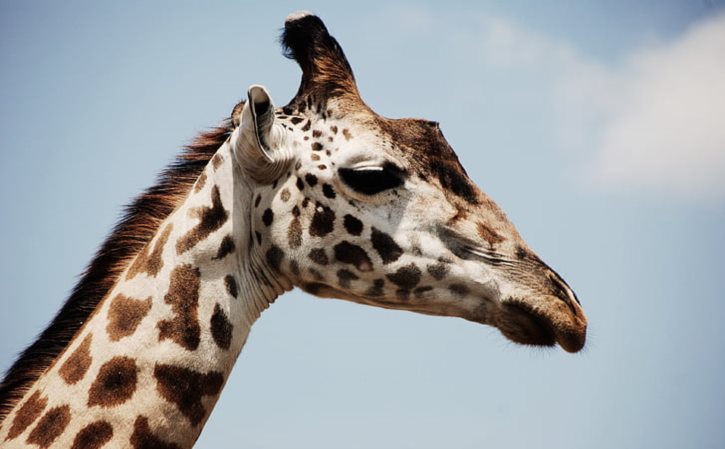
[(666, 129), (652, 122), (655, 122)]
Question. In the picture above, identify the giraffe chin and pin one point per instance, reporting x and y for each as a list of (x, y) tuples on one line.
[(522, 324), (516, 320)]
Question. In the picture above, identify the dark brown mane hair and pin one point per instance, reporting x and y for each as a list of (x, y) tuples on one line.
[(140, 221)]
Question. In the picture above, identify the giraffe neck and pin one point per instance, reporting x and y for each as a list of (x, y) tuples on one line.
[(149, 364)]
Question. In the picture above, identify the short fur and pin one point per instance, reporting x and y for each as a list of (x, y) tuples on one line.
[(139, 224)]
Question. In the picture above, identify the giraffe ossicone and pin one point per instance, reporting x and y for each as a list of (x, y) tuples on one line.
[(322, 194)]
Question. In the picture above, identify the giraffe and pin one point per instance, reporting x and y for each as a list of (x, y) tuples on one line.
[(322, 194)]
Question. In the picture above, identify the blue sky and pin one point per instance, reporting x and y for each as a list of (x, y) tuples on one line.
[(597, 127)]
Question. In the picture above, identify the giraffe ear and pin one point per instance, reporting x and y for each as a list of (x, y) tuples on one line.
[(259, 145)]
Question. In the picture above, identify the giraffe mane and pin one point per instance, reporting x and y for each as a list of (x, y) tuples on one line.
[(140, 221)]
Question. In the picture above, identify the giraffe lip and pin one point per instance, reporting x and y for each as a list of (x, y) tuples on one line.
[(523, 324)]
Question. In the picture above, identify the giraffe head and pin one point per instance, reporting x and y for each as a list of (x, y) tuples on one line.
[(349, 204)]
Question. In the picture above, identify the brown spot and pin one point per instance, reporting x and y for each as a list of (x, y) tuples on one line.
[(345, 276), (93, 436), (352, 225), (294, 267), (316, 133), (318, 256), (284, 195), (376, 289), (322, 221), (231, 285), (183, 297), (306, 126), (322, 167), (333, 128), (294, 233), (385, 246), (217, 160), (76, 366), (150, 263), (313, 288), (185, 388), (267, 217), (199, 184), (50, 426), (316, 146), (402, 294), (315, 157), (488, 234), (143, 438), (27, 414), (210, 219), (300, 185), (521, 253), (350, 253), (458, 289), (328, 191), (257, 200), (274, 257), (316, 274), (115, 383), (438, 270), (346, 133), (296, 120), (125, 314), (221, 328), (406, 277), (311, 179), (226, 247)]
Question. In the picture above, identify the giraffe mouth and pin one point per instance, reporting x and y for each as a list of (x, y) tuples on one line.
[(523, 324)]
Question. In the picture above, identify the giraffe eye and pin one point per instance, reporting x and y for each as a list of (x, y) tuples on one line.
[(372, 180)]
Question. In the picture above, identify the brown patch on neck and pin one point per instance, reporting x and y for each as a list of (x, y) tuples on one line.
[(185, 388), (210, 219), (226, 247), (27, 414), (221, 328), (183, 297), (76, 366), (50, 427), (124, 316), (199, 184), (115, 383), (140, 223), (143, 438), (150, 262), (217, 160), (93, 436)]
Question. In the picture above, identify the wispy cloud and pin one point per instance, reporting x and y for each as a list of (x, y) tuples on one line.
[(655, 122), (666, 131)]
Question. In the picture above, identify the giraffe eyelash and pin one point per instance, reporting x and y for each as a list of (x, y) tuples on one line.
[(371, 180)]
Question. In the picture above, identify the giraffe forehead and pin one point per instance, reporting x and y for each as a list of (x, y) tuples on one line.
[(416, 144)]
